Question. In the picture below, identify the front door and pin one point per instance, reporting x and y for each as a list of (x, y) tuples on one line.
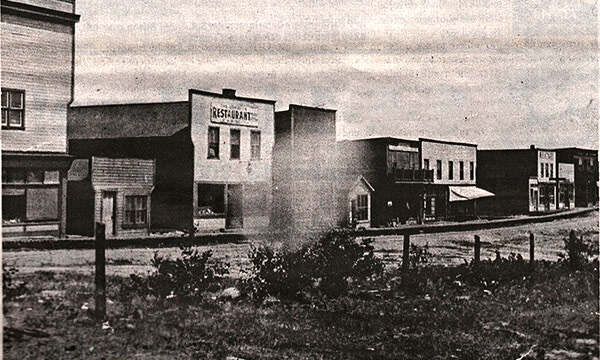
[(235, 218), (108, 212)]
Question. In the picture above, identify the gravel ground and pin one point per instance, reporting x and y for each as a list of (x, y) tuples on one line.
[(446, 248)]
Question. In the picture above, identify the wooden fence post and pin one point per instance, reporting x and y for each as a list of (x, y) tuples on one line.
[(405, 253), (100, 275), (531, 248), (477, 249)]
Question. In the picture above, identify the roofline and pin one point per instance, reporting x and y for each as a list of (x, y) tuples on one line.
[(575, 148), (208, 93), (39, 13), (130, 104), (526, 149), (290, 106), (380, 138), (447, 142)]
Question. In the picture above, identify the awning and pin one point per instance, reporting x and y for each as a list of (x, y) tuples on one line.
[(464, 193)]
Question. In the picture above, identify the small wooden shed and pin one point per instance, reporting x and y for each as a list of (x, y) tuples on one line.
[(116, 192)]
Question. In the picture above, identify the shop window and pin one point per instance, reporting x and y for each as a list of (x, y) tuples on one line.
[(13, 109), (362, 207), (426, 164), (450, 170), (136, 210), (211, 199), (471, 170), (42, 203), (13, 176), (234, 140), (255, 145), (439, 169), (51, 177), (13, 208), (461, 168), (35, 176), (213, 143)]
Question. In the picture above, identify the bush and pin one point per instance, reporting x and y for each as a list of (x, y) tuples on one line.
[(325, 267), (10, 287), (578, 251), (184, 277), (418, 256)]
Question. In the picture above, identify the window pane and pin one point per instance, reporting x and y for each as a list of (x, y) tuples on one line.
[(51, 177), (4, 117), (235, 137), (15, 117), (16, 100), (235, 144), (213, 143), (129, 203), (35, 176), (211, 199), (4, 99), (140, 217), (129, 217)]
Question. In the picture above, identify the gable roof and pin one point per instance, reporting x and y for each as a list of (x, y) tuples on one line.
[(127, 120)]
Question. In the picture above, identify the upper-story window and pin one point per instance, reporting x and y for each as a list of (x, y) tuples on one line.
[(438, 164), (461, 170), (234, 139), (541, 169), (13, 109), (547, 172), (213, 143), (472, 170), (551, 170), (426, 164), (450, 170), (255, 145)]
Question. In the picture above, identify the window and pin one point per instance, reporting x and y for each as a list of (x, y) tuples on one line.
[(13, 176), (213, 142), (551, 170), (136, 210), (547, 172), (255, 145), (450, 170), (235, 144), (13, 208), (211, 199), (426, 164), (362, 204), (438, 164), (13, 109), (472, 170), (461, 168)]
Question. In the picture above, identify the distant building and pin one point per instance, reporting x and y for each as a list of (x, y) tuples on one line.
[(585, 163), (413, 181), (38, 45), (305, 185), (115, 192), (524, 180), (213, 155)]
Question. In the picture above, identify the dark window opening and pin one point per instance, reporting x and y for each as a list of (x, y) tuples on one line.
[(213, 143), (13, 109), (472, 170), (211, 199), (362, 207), (450, 170), (136, 210), (461, 173), (13, 208), (439, 169), (426, 164), (235, 143)]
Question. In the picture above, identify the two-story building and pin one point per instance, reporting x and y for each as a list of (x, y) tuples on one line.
[(585, 164), (524, 180), (213, 155), (412, 180), (37, 55)]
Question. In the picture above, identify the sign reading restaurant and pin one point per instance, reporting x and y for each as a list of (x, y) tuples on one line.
[(233, 115)]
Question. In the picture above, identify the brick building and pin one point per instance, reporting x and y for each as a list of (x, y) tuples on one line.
[(37, 55), (212, 152)]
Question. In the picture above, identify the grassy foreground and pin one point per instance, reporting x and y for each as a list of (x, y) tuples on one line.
[(439, 315)]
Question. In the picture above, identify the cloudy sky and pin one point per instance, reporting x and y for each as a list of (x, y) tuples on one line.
[(497, 73)]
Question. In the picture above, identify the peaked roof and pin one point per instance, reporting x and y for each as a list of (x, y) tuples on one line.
[(127, 120)]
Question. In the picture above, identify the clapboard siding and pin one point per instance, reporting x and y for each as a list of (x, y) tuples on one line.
[(38, 61), (122, 172)]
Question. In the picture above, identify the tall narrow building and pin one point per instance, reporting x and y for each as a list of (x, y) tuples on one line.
[(38, 45)]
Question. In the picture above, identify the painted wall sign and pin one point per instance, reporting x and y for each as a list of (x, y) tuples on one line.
[(233, 115)]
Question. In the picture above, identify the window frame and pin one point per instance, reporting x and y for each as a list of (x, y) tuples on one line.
[(253, 145), (235, 148), (136, 211), (362, 211), (425, 164), (450, 170), (471, 170), (439, 170), (211, 145), (8, 109)]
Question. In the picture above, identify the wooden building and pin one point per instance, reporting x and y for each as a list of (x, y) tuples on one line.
[(212, 152), (37, 55), (524, 180), (585, 163), (116, 192)]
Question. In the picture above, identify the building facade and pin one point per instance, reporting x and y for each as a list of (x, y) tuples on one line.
[(585, 164), (524, 180), (213, 155), (37, 58), (306, 192), (115, 192)]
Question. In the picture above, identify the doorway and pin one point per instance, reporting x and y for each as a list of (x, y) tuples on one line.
[(235, 216), (108, 212)]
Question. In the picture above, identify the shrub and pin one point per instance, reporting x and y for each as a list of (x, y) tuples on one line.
[(11, 288), (418, 256), (326, 266), (184, 277), (578, 251)]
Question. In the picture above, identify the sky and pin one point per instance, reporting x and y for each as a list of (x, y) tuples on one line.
[(500, 74)]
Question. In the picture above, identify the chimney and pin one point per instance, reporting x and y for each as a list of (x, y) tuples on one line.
[(229, 93), (532, 147)]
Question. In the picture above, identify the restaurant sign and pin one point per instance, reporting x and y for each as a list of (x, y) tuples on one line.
[(233, 114)]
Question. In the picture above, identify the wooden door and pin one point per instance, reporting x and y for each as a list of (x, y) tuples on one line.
[(235, 216), (108, 212)]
